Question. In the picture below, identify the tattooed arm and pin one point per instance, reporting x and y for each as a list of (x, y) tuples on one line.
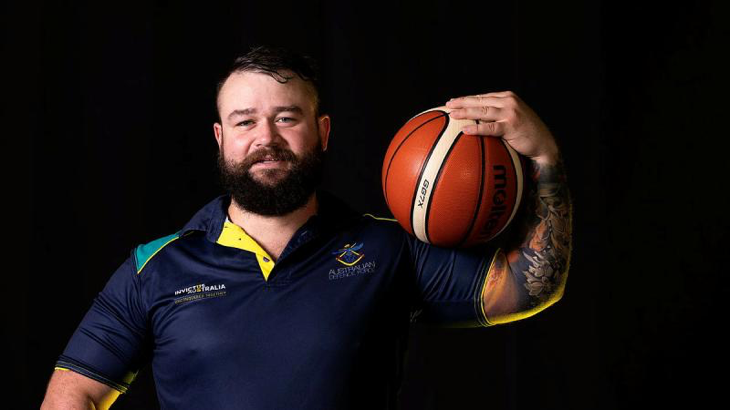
[(529, 276)]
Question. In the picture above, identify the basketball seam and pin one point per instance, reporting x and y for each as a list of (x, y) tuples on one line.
[(423, 167), (387, 171)]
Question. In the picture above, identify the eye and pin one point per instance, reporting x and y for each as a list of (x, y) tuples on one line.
[(285, 119), (245, 123)]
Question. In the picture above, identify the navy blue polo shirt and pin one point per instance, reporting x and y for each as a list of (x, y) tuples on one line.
[(324, 327)]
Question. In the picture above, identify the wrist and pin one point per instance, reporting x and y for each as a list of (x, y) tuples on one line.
[(549, 157)]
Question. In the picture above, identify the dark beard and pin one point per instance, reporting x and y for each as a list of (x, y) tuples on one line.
[(282, 197)]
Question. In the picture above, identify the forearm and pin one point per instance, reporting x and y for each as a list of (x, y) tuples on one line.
[(68, 390), (530, 275)]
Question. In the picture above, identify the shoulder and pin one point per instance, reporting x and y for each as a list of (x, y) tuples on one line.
[(380, 222), (145, 252), (382, 227)]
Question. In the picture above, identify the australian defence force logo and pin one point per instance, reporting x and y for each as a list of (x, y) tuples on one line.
[(350, 256)]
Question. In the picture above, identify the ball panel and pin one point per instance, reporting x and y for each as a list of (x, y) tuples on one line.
[(518, 167), (406, 165), (400, 137), (455, 198), (501, 186), (426, 180)]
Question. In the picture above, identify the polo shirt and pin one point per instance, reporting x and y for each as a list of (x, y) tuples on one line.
[(323, 327)]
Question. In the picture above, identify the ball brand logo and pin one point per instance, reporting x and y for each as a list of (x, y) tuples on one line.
[(498, 199), (348, 255), (424, 191)]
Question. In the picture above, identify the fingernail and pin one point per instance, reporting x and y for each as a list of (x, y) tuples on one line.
[(469, 129)]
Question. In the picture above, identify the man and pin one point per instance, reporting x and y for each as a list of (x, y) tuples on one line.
[(277, 296)]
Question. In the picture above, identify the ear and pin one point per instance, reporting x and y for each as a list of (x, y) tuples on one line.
[(218, 132), (324, 130)]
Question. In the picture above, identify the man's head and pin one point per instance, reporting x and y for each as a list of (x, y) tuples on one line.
[(270, 135)]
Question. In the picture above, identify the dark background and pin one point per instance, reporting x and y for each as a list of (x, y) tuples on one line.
[(108, 143)]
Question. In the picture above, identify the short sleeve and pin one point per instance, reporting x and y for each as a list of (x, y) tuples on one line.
[(108, 346), (450, 283)]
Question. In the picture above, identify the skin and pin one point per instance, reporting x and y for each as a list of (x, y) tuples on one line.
[(528, 276), (71, 391), (524, 279)]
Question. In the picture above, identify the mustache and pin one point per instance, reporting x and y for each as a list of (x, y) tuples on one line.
[(268, 153)]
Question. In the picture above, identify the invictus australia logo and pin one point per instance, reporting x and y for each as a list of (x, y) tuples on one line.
[(350, 255), (200, 291)]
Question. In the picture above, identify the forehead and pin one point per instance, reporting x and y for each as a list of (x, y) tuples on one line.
[(261, 91)]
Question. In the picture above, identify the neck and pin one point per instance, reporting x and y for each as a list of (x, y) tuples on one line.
[(272, 232)]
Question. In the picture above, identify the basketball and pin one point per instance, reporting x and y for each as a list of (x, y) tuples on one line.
[(448, 188)]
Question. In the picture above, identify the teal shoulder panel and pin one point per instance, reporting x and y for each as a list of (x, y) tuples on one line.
[(145, 252)]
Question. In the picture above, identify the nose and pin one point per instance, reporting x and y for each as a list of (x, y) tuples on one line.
[(267, 135)]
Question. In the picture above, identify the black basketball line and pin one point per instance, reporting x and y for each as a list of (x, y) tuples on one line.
[(423, 167), (436, 181), (481, 192), (387, 171)]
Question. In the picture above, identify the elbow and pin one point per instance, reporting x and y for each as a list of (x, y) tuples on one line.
[(529, 301)]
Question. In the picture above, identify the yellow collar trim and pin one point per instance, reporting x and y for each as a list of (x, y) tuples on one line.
[(235, 237)]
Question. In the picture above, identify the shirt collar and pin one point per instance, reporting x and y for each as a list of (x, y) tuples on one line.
[(333, 213)]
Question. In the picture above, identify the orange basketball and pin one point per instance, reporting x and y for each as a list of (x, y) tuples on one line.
[(448, 188)]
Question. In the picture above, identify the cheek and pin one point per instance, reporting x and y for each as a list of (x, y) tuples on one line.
[(235, 148)]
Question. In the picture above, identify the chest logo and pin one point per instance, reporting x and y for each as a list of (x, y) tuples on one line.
[(199, 291), (349, 254)]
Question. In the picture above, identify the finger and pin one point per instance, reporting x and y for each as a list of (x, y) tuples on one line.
[(491, 128), (482, 113), (475, 101)]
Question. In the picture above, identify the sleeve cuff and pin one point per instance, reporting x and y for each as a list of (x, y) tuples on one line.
[(72, 365)]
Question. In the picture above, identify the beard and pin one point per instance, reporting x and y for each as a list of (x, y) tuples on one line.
[(280, 191)]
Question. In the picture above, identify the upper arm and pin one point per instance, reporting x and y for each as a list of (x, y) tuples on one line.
[(502, 297), (111, 342), (68, 389), (450, 283)]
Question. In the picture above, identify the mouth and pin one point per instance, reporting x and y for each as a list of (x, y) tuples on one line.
[(269, 162)]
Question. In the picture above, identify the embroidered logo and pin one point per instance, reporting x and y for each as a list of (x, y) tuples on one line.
[(200, 291), (349, 255)]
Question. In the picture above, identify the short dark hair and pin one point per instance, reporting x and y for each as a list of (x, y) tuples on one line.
[(274, 61)]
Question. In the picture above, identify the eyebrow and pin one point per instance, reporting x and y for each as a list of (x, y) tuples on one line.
[(249, 111)]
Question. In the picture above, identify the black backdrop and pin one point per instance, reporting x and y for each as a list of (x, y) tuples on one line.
[(107, 143)]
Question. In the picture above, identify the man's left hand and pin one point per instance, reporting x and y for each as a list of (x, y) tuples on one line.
[(504, 114)]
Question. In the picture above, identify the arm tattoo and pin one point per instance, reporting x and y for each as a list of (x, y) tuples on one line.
[(531, 275), (544, 255)]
